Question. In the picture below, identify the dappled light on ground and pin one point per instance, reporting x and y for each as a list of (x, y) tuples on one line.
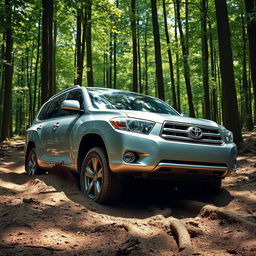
[(47, 214)]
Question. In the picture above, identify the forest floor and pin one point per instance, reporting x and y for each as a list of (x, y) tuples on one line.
[(48, 215)]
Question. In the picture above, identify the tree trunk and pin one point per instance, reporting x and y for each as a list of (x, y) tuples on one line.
[(8, 72), (185, 62), (205, 56), (134, 47), (139, 58), (146, 56), (79, 67), (115, 48), (158, 55), (36, 68), (47, 51), (229, 99), (2, 80), (246, 101), (89, 68), (55, 32), (29, 88), (110, 60), (177, 60), (250, 6), (169, 52)]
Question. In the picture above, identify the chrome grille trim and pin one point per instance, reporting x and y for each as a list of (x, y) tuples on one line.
[(179, 131)]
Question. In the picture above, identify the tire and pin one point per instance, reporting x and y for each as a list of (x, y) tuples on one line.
[(96, 179), (31, 165)]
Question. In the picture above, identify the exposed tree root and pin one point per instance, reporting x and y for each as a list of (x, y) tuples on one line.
[(179, 229), (207, 209), (163, 216)]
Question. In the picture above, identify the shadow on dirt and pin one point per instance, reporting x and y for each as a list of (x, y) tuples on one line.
[(139, 197)]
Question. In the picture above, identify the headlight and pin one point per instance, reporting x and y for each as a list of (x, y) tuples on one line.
[(133, 125), (227, 135)]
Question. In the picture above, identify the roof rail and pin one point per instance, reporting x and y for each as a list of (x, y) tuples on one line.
[(55, 95)]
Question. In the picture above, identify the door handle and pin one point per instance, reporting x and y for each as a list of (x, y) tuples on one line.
[(55, 126), (39, 127)]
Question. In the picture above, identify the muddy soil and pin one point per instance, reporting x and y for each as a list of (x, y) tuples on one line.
[(48, 215)]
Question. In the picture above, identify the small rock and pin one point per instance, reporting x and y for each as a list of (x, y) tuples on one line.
[(28, 200)]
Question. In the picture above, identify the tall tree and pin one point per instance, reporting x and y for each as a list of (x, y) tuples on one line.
[(146, 56), (169, 52), (36, 69), (89, 69), (8, 72), (134, 47), (245, 88), (115, 49), (177, 59), (250, 7), (47, 51), (158, 55), (205, 57), (229, 98), (185, 61)]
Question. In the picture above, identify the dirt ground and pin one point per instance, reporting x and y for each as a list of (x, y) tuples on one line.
[(48, 215)]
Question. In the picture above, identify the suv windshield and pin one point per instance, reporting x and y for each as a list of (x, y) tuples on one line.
[(111, 99)]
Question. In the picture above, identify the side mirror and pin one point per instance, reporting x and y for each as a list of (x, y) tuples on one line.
[(184, 115), (71, 105)]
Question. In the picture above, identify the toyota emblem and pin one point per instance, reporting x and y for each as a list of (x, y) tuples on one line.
[(195, 132)]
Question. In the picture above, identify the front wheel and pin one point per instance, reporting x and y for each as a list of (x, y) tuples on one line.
[(31, 164), (96, 179)]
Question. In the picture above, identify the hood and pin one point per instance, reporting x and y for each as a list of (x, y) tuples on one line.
[(160, 118)]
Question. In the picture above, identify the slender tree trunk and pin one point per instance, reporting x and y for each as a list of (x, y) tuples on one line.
[(247, 108), (115, 49), (104, 68), (177, 60), (169, 52), (36, 68), (8, 73), (134, 47), (89, 69), (158, 55), (47, 51), (79, 67), (185, 62), (250, 6), (110, 60), (29, 88), (2, 79), (205, 57), (55, 32), (229, 99), (146, 56), (139, 57)]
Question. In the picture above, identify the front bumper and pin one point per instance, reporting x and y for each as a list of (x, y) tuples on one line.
[(156, 154)]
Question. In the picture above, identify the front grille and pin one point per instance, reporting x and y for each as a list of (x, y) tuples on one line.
[(180, 131)]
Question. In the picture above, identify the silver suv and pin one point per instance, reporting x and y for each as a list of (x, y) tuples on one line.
[(104, 134)]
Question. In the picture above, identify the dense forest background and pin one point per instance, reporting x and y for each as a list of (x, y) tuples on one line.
[(197, 55)]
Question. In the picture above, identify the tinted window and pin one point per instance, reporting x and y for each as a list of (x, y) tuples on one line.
[(42, 113), (110, 99), (77, 95), (55, 108)]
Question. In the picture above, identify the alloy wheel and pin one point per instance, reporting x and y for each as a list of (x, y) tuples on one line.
[(93, 177)]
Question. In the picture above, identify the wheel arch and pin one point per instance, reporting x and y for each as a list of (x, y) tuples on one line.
[(30, 145), (88, 142)]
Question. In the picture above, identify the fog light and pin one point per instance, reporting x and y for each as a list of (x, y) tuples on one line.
[(129, 157)]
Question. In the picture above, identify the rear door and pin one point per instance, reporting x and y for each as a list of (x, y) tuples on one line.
[(49, 129)]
